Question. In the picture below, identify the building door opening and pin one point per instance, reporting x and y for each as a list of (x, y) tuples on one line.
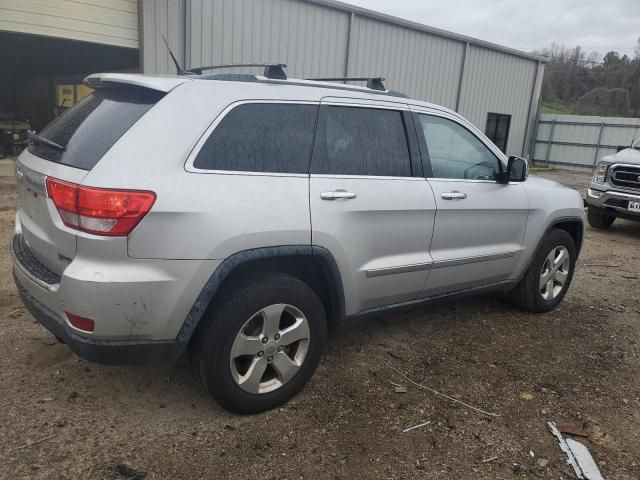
[(498, 129)]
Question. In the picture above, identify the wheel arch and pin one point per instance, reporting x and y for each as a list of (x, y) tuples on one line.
[(574, 226), (312, 264)]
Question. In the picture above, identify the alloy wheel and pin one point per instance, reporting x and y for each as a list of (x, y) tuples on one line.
[(270, 348), (555, 272)]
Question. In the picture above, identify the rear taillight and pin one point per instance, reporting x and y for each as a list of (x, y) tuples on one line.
[(100, 211)]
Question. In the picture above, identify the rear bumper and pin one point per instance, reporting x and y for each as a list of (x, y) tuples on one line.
[(138, 307), (100, 351)]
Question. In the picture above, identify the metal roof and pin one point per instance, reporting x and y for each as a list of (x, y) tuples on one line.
[(345, 7)]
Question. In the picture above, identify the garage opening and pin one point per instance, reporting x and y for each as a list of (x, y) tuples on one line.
[(40, 77)]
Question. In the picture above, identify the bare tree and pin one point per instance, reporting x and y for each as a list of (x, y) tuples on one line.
[(572, 73)]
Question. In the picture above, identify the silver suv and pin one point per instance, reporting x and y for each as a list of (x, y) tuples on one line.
[(242, 217), (614, 191)]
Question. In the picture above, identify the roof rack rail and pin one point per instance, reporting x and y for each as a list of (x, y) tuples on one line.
[(274, 71), (374, 83)]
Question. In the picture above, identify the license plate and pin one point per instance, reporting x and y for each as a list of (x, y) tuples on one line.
[(634, 207), (16, 136)]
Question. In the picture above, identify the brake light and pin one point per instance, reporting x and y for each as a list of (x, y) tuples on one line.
[(100, 211)]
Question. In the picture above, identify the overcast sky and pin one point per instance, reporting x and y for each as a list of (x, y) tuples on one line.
[(600, 25)]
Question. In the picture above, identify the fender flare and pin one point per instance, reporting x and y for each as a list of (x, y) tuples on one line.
[(223, 270), (552, 224)]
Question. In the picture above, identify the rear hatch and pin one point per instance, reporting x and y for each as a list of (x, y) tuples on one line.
[(67, 149)]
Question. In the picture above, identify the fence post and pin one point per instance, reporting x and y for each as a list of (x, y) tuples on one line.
[(534, 137), (550, 144), (597, 154)]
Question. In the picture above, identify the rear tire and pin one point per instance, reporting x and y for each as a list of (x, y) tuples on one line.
[(599, 220), (246, 332), (540, 290)]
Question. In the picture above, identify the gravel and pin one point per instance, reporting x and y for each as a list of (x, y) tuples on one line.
[(578, 365)]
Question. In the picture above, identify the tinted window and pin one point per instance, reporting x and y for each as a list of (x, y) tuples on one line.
[(498, 129), (361, 141), (90, 128), (457, 153), (261, 138)]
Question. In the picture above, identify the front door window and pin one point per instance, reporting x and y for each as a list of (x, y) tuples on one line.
[(455, 152)]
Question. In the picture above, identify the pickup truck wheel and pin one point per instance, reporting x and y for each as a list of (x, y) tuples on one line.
[(547, 279), (261, 343), (598, 220)]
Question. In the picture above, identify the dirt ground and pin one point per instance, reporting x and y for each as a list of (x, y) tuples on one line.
[(578, 366)]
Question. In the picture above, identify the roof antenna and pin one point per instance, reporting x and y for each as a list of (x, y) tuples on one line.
[(179, 69)]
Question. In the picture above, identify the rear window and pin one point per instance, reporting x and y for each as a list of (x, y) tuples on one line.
[(261, 137), (90, 128), (361, 141)]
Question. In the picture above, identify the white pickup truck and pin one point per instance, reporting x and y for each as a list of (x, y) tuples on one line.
[(614, 191)]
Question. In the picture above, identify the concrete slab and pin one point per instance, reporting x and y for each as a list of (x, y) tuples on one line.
[(8, 167)]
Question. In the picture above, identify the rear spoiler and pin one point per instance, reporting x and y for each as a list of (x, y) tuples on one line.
[(153, 82)]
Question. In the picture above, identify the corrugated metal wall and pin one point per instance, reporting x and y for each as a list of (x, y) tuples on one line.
[(311, 39), (577, 141), (498, 83), (327, 38), (423, 66), (109, 22), (162, 18)]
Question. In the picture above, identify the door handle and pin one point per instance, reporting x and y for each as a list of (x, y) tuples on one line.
[(454, 196), (337, 195)]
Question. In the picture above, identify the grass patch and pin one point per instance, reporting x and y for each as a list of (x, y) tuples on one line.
[(558, 108), (540, 167)]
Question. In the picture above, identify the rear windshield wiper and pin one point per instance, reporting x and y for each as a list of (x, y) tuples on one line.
[(35, 138)]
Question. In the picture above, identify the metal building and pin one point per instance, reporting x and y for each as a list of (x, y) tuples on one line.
[(495, 87), (53, 44), (112, 22)]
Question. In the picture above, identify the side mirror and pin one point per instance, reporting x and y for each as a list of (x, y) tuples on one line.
[(517, 170)]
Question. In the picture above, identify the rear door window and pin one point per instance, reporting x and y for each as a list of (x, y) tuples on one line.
[(90, 128), (261, 137), (361, 141)]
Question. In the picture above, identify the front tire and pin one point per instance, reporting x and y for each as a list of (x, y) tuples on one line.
[(546, 281), (599, 220), (260, 343)]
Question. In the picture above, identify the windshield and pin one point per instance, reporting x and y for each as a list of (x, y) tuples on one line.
[(90, 128)]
